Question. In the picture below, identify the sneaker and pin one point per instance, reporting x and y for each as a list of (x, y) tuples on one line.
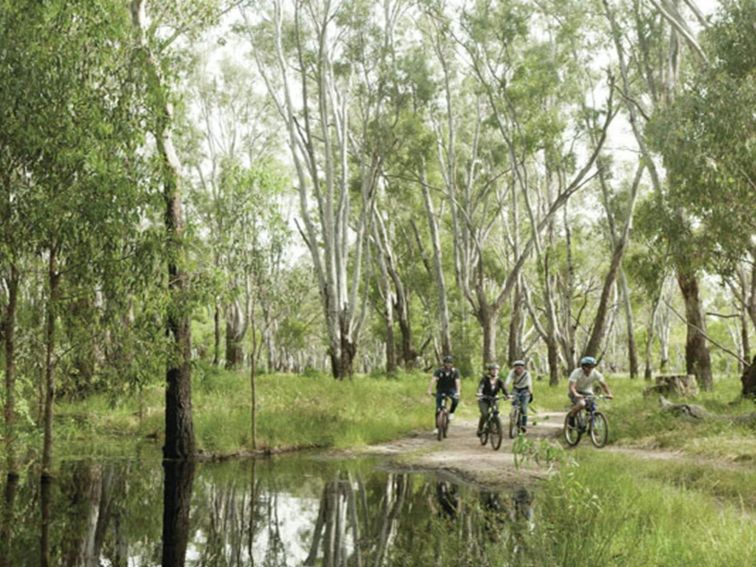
[(451, 416), (435, 430)]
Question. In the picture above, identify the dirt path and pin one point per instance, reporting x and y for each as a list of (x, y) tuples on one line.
[(461, 454)]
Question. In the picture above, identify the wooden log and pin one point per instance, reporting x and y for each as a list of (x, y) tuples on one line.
[(686, 410)]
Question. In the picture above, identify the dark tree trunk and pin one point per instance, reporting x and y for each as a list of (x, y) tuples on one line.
[(45, 502), (390, 347), (9, 410), (749, 380), (179, 427), (697, 360), (177, 497), (593, 348), (52, 307), (9, 517), (216, 335)]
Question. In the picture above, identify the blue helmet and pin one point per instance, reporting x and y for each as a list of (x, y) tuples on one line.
[(587, 361)]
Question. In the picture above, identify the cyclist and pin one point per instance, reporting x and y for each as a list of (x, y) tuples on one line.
[(581, 384), (489, 386), (447, 381), (522, 384)]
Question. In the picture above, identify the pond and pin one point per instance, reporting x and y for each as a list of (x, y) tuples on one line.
[(293, 510)]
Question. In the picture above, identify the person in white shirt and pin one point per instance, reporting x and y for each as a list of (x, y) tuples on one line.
[(581, 383), (522, 385)]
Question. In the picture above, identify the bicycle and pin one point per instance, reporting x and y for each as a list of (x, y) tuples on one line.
[(442, 417), (516, 418), (590, 420), (491, 430)]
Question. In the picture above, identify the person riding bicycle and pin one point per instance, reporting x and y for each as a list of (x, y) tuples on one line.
[(489, 387), (447, 381), (522, 385), (581, 384)]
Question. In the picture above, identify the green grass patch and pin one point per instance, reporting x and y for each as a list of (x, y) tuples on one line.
[(294, 411), (635, 420), (614, 511)]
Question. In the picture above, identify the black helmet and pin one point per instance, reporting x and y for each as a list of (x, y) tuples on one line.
[(448, 359), (492, 366)]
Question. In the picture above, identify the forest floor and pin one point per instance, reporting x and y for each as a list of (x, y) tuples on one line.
[(462, 457)]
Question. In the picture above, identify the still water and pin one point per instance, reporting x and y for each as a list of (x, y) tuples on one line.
[(294, 510)]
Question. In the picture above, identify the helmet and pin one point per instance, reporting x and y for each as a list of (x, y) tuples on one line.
[(587, 361), (448, 358), (492, 366), (518, 363)]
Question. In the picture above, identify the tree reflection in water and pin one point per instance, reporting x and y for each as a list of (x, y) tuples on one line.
[(284, 511)]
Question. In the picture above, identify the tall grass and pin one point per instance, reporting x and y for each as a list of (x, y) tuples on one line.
[(604, 512), (294, 411)]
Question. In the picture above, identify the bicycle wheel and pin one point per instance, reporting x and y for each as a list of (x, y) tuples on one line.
[(599, 429), (496, 435), (514, 422), (441, 424), (571, 431), (484, 432)]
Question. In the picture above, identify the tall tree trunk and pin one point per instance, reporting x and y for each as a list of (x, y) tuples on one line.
[(9, 338), (179, 428), (516, 324), (9, 520), (648, 372), (52, 307), (632, 350), (697, 360), (235, 329), (487, 318), (253, 375), (438, 272), (216, 334)]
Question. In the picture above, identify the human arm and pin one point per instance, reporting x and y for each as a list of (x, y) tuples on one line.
[(458, 386), (433, 381)]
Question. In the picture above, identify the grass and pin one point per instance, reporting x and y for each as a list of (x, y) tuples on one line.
[(294, 411), (637, 421), (611, 510)]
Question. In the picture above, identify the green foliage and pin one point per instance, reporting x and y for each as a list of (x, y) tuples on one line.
[(706, 137)]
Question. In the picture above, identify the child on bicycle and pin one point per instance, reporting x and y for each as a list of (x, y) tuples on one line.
[(489, 387), (447, 381), (581, 383), (522, 384)]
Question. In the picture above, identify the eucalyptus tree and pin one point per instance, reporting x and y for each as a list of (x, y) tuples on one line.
[(651, 62), (514, 57), (155, 39), (321, 61), (74, 135), (701, 137)]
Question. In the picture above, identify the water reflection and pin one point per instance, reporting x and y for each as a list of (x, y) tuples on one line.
[(288, 511)]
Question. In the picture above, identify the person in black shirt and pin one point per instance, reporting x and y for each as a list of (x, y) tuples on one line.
[(490, 385), (447, 381)]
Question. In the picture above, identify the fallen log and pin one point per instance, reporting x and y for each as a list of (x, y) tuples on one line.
[(697, 413)]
